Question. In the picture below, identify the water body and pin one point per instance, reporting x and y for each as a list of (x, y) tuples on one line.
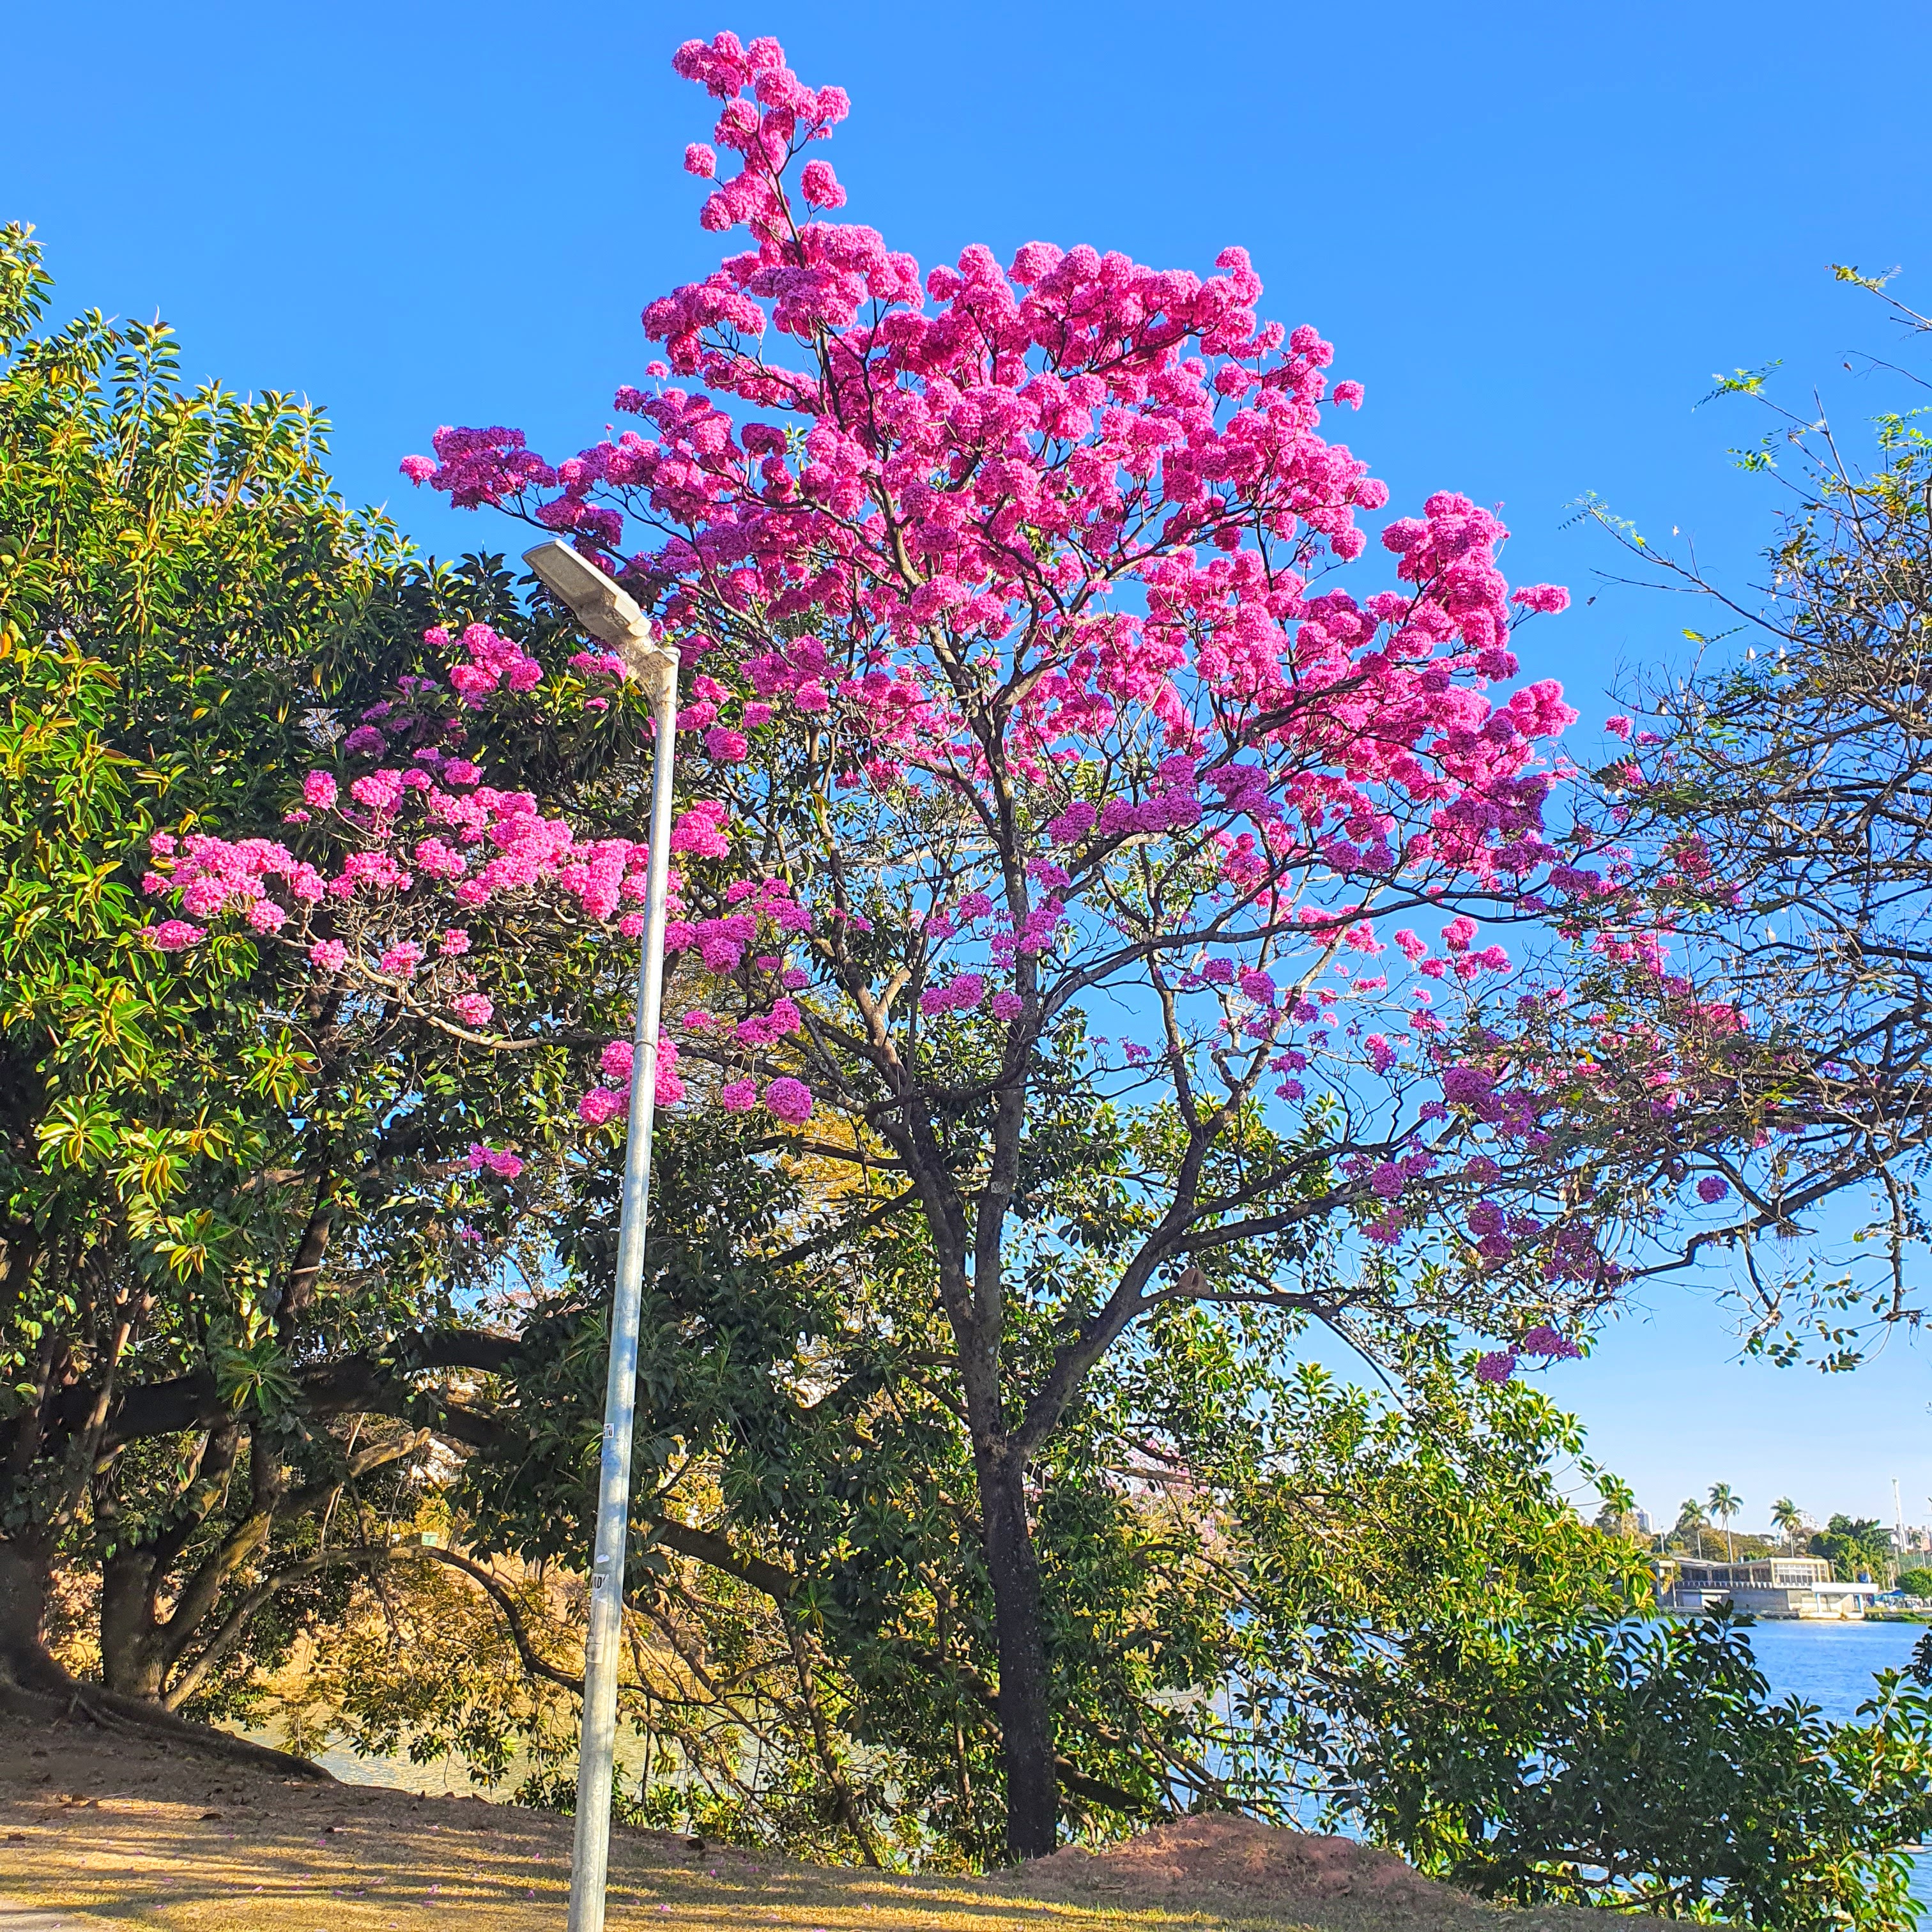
[(1832, 1666)]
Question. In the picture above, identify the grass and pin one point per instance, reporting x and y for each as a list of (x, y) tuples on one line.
[(140, 1835)]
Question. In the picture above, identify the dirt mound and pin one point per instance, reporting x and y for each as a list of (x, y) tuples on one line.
[(1238, 1861)]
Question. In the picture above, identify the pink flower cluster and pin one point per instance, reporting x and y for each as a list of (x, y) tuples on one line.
[(1543, 1340), (494, 661), (214, 876), (1057, 541), (960, 995), (603, 1104)]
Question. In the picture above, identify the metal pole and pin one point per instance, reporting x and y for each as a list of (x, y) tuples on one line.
[(597, 1747)]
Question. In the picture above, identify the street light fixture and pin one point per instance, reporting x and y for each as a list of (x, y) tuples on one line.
[(614, 618)]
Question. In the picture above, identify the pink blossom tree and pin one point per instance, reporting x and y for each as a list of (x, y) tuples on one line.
[(1033, 692)]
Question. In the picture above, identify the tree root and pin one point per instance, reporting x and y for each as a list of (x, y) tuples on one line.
[(46, 1694)]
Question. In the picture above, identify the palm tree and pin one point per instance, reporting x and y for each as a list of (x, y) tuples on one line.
[(1788, 1518), (1691, 1521), (1725, 1503)]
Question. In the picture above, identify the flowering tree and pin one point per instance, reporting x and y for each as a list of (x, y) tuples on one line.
[(1032, 700), (246, 1199), (1743, 1055)]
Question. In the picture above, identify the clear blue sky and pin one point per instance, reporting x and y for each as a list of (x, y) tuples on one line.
[(1533, 231)]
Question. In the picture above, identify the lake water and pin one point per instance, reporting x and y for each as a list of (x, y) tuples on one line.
[(1830, 1665)]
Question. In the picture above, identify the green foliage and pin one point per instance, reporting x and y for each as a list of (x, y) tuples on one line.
[(1207, 1513), (1916, 1583), (1640, 1766), (1852, 1544), (211, 1178)]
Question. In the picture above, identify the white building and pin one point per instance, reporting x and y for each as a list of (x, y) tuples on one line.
[(1772, 1586)]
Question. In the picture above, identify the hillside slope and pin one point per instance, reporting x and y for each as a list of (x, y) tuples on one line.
[(132, 1833)]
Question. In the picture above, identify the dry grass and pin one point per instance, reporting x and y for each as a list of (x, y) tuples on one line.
[(133, 1834)]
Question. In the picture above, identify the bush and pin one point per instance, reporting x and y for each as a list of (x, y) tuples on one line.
[(1643, 1766)]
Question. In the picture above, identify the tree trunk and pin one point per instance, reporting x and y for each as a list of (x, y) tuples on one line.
[(1026, 1726), (130, 1662), (26, 1580)]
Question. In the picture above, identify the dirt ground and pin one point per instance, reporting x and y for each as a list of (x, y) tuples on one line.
[(98, 1830)]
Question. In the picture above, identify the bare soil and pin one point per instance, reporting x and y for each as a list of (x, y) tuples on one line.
[(101, 1829)]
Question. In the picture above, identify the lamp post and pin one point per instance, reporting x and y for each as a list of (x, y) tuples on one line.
[(613, 618)]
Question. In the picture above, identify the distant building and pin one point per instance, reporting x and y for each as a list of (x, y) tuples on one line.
[(1645, 1527), (1772, 1586)]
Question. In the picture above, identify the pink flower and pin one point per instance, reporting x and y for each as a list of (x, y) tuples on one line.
[(1618, 728), (1496, 1366), (667, 1089), (454, 943), (632, 924), (757, 715), (1008, 1006), (329, 955), (738, 1097), (173, 935), (700, 160), (701, 830), (318, 791), (601, 1105), (1548, 598), (380, 791), (1713, 1187), (819, 185), (1458, 933), (402, 960), (790, 1100), (500, 1162), (418, 469), (472, 1009), (1073, 824), (697, 1020), (616, 1059), (1258, 986), (1549, 1342), (727, 747)]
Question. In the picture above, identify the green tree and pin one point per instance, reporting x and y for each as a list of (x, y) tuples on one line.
[(1787, 1519), (1725, 1503), (163, 557), (241, 1228), (1690, 1523), (1854, 1546), (1760, 802), (1642, 1766)]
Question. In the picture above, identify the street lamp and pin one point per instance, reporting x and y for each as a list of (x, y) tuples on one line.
[(613, 618)]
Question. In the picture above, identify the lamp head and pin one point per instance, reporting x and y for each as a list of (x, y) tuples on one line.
[(602, 607)]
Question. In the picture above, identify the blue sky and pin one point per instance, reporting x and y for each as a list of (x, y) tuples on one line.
[(1534, 232)]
